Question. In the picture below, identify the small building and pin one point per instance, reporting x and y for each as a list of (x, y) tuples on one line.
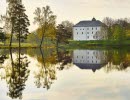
[(88, 30)]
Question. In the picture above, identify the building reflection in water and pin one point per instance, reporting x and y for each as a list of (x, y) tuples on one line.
[(89, 59)]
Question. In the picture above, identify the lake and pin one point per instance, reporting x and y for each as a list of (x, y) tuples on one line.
[(60, 74)]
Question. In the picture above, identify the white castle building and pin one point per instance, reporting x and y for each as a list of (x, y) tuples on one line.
[(88, 30), (89, 59)]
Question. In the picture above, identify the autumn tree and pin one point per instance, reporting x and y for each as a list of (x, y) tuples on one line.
[(45, 20)]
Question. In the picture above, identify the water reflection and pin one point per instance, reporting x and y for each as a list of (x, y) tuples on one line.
[(17, 75), (90, 59), (47, 71), (96, 59), (20, 66)]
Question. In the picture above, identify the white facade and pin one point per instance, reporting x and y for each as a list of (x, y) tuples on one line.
[(86, 33), (89, 56), (88, 30)]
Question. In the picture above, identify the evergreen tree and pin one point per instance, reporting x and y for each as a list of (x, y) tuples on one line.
[(18, 20), (21, 23)]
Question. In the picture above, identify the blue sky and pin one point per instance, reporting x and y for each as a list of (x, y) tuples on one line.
[(76, 10)]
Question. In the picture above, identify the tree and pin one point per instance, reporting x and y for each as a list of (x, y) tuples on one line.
[(64, 32), (68, 26), (18, 19), (21, 23), (11, 16), (109, 23), (44, 18), (2, 36)]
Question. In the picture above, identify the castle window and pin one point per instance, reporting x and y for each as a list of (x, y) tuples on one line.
[(77, 56), (77, 32), (75, 29), (87, 32), (92, 28), (96, 28), (88, 37), (82, 33), (87, 28), (92, 32)]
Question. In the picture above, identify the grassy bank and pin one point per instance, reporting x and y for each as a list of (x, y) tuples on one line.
[(97, 44), (23, 45)]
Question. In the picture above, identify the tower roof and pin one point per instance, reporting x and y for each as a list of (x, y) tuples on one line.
[(94, 19), (92, 67)]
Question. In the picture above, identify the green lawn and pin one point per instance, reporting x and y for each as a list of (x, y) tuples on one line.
[(97, 43), (23, 45)]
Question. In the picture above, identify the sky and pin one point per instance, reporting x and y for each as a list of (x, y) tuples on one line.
[(76, 10)]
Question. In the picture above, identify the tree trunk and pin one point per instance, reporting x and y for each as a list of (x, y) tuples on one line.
[(43, 35), (19, 40), (12, 31)]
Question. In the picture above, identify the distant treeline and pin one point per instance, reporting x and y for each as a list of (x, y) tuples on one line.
[(117, 29)]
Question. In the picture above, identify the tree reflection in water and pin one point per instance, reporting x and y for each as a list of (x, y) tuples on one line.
[(47, 72), (64, 58), (2, 59), (49, 60), (18, 75), (117, 60)]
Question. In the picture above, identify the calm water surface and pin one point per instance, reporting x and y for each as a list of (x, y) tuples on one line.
[(52, 74)]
